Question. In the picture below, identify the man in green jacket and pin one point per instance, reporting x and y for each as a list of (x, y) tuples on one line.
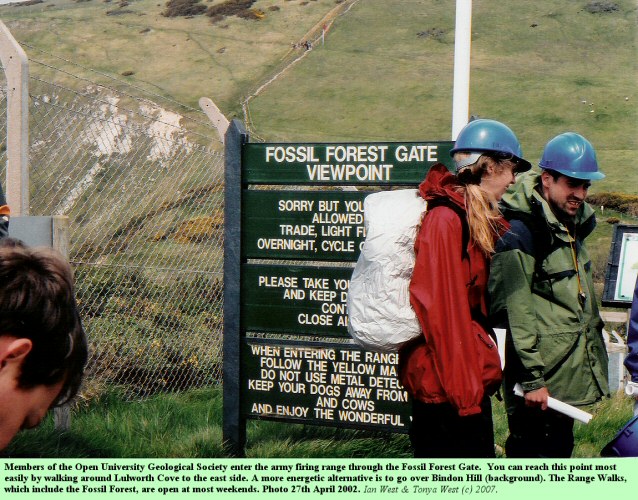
[(542, 292)]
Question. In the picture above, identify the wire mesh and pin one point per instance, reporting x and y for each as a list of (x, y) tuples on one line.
[(142, 186)]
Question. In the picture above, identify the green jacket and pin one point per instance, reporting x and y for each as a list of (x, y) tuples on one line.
[(554, 339)]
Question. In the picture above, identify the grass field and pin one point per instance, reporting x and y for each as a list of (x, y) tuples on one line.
[(180, 58), (189, 425), (384, 73), (533, 64)]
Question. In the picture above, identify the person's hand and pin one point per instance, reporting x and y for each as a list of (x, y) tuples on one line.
[(537, 397)]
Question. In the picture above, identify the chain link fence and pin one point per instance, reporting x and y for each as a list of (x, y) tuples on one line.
[(142, 186)]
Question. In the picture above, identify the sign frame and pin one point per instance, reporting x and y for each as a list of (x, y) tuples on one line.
[(620, 277), (310, 186)]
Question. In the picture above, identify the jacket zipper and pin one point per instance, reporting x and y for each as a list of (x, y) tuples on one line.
[(488, 344)]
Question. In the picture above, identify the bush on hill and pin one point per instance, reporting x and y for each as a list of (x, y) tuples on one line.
[(620, 202), (240, 8), (176, 8), (599, 7)]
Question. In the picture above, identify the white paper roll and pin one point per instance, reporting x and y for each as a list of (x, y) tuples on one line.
[(561, 407), (631, 389)]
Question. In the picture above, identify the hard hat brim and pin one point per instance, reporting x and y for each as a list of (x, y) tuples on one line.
[(586, 176), (522, 165)]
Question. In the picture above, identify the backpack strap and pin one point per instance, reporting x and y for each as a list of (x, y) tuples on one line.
[(465, 229), (541, 242)]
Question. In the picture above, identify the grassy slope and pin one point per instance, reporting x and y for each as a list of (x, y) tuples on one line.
[(189, 425), (533, 63), (375, 79), (176, 57)]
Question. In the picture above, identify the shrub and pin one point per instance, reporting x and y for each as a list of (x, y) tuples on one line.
[(176, 8), (230, 8), (119, 12), (435, 33), (252, 14), (601, 7), (620, 202)]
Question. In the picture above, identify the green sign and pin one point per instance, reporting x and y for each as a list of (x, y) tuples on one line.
[(315, 225), (288, 205), (306, 300), (342, 164), (324, 384)]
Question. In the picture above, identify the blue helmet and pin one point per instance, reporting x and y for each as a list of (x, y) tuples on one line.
[(488, 136), (625, 443), (572, 155)]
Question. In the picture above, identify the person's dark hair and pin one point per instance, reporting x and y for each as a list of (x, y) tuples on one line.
[(37, 302), (555, 175)]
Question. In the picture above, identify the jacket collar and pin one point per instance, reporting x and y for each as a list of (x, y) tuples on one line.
[(441, 183), (525, 197)]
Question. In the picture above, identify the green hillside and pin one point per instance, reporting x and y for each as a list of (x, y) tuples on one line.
[(384, 72), (183, 58), (543, 67)]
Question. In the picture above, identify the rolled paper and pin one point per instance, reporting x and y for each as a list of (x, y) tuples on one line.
[(631, 389), (564, 408)]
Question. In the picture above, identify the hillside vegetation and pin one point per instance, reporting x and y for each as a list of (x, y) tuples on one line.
[(183, 58), (384, 72)]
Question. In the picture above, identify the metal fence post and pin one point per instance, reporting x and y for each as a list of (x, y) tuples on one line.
[(234, 425), (16, 67), (51, 232), (60, 241)]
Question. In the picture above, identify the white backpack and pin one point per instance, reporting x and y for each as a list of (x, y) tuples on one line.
[(380, 317)]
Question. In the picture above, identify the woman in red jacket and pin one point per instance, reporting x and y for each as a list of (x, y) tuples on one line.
[(454, 368)]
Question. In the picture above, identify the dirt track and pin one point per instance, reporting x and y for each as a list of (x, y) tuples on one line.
[(312, 35)]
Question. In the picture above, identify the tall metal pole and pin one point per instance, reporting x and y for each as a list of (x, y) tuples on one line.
[(462, 45), (16, 67)]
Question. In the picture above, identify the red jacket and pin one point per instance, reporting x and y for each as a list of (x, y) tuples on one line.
[(458, 362)]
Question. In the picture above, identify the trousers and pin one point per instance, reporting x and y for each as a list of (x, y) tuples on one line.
[(437, 431), (536, 433)]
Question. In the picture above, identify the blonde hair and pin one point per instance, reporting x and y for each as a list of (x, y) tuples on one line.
[(483, 215)]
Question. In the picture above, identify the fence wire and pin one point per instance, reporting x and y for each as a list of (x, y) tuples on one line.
[(142, 186)]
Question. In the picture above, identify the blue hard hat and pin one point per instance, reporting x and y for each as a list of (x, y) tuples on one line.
[(489, 136), (625, 443), (572, 155)]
